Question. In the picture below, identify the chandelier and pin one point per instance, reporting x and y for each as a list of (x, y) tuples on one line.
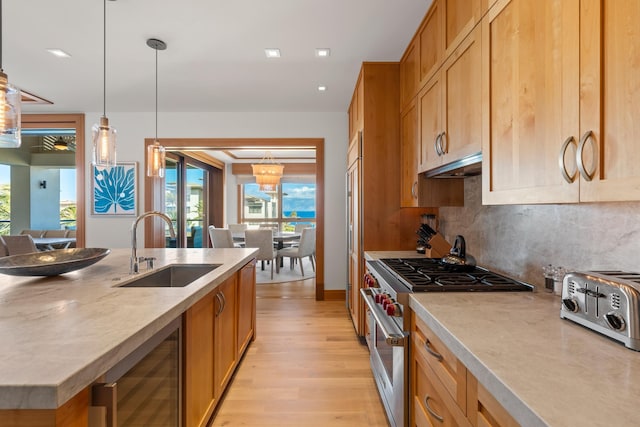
[(267, 173)]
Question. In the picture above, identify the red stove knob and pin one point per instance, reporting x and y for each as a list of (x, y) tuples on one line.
[(378, 298), (391, 309), (387, 302)]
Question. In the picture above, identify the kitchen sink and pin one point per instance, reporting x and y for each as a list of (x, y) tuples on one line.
[(172, 276)]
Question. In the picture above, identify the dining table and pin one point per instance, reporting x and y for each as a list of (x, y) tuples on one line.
[(51, 243), (279, 238)]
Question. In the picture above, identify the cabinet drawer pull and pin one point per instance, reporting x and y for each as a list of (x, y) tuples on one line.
[(588, 136), (561, 163), (427, 346), (414, 194), (431, 411)]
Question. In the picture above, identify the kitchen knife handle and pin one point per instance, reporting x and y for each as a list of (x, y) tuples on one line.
[(588, 176), (561, 162)]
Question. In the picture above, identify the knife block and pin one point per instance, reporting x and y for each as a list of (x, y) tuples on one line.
[(439, 247)]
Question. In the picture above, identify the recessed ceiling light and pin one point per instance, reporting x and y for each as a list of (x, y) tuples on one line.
[(322, 88), (272, 53), (323, 52), (59, 53)]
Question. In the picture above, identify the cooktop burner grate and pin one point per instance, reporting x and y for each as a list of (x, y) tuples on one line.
[(428, 274)]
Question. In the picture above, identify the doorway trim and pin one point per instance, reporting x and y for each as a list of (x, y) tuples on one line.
[(67, 121), (154, 194)]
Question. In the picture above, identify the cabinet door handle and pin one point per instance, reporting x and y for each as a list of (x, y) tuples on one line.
[(436, 145), (224, 302), (561, 163), (431, 411), (444, 146), (219, 303), (588, 136), (414, 194), (427, 346)]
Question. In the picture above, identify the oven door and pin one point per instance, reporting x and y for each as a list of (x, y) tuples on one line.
[(388, 346)]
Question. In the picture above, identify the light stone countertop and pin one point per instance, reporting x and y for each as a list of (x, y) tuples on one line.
[(544, 370), (61, 333)]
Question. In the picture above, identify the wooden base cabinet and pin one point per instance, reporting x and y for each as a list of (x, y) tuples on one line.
[(217, 330), (442, 392)]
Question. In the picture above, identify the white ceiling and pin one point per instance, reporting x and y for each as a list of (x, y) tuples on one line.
[(215, 59)]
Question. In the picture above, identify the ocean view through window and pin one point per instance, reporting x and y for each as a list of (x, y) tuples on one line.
[(292, 203)]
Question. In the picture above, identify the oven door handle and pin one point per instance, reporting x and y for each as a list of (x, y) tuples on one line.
[(393, 335)]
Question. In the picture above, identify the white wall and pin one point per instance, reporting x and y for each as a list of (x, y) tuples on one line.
[(133, 128)]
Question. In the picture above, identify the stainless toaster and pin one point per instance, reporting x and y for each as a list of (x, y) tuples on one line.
[(604, 301)]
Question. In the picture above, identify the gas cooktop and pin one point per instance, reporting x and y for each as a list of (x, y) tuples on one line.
[(428, 274)]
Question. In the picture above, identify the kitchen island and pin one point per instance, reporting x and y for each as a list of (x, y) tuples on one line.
[(543, 370), (59, 334)]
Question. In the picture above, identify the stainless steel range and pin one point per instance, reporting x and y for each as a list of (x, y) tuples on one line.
[(389, 282)]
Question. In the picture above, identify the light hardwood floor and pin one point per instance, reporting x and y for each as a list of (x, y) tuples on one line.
[(306, 367)]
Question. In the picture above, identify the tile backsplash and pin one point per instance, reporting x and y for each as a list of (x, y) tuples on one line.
[(518, 240)]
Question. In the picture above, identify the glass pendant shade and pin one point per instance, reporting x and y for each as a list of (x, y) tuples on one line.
[(155, 160), (104, 143), (10, 114)]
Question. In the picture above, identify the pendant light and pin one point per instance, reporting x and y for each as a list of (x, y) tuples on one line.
[(10, 120), (267, 173), (155, 151), (104, 136)]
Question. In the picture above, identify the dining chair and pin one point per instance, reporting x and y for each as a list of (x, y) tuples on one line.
[(33, 233), (306, 248), (220, 237), (263, 240), (55, 233), (3, 248), (237, 228), (21, 244)]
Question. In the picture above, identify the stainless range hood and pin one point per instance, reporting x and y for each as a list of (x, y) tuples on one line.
[(465, 167)]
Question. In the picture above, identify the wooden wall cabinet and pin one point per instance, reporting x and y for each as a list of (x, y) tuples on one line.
[(409, 156), (450, 106), (376, 219), (217, 330), (442, 390), (415, 189), (356, 109), (552, 107), (444, 27)]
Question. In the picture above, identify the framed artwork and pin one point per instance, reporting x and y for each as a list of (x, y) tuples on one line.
[(114, 190)]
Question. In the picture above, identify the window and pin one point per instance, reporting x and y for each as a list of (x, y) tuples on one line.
[(186, 200), (292, 203)]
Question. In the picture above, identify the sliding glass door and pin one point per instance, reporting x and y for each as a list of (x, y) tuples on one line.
[(187, 199)]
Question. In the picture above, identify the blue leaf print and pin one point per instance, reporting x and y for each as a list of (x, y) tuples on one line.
[(114, 190)]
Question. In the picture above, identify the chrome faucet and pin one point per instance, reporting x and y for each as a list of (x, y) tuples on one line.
[(134, 263)]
